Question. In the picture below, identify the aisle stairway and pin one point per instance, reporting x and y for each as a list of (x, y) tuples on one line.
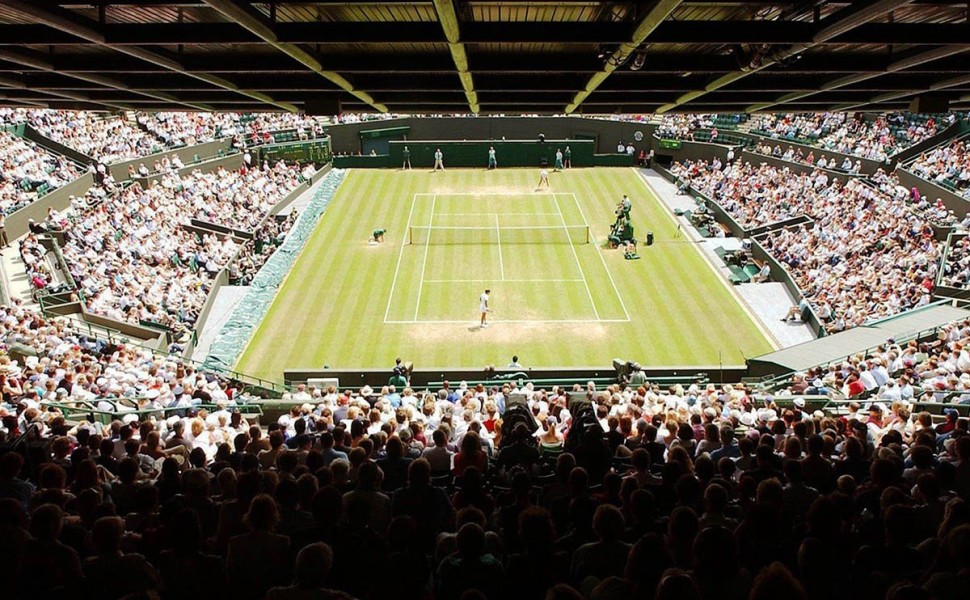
[(15, 280)]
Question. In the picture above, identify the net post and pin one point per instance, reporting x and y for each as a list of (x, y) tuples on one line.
[(587, 234), (410, 236)]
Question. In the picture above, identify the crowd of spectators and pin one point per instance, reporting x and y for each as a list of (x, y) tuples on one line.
[(933, 210), (956, 269), (805, 126), (105, 138), (131, 255), (237, 198), (864, 255), (682, 127), (67, 367), (930, 371), (181, 128), (876, 139), (691, 492), (26, 168), (948, 165)]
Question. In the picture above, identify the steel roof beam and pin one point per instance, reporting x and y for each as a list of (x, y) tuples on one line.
[(895, 66), (658, 12), (448, 18), (335, 33), (256, 26), (76, 26), (891, 96), (839, 26)]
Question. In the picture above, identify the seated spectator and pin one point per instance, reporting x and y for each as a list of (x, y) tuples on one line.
[(258, 560), (110, 573), (470, 567)]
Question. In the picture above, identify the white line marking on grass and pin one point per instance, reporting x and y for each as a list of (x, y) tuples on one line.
[(404, 237), (504, 214), (579, 265), (498, 233), (506, 280), (599, 253), (522, 193), (511, 321), (424, 263)]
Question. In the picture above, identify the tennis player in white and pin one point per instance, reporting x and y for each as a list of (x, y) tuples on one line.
[(543, 180), (483, 307)]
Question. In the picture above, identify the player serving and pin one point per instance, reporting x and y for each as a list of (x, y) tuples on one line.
[(483, 307)]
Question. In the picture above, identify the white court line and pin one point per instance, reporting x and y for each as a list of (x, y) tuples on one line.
[(576, 256), (498, 233), (512, 321), (424, 264), (504, 214), (505, 280), (600, 254), (522, 193), (400, 255)]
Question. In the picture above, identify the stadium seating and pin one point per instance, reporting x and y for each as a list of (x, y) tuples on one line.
[(855, 228), (947, 165), (28, 172), (876, 139)]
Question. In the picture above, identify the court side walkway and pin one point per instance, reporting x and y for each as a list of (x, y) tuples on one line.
[(227, 298), (768, 302)]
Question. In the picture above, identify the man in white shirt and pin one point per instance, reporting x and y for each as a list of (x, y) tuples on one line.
[(483, 307), (515, 363), (438, 456)]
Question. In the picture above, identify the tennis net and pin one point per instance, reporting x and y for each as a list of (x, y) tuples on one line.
[(433, 235)]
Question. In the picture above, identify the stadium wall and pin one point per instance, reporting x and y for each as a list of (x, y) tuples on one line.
[(421, 378), (345, 138), (793, 166), (688, 150), (59, 199), (187, 155), (41, 140), (154, 338), (231, 161), (512, 153)]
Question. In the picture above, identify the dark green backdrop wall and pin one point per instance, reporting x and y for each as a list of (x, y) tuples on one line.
[(511, 153)]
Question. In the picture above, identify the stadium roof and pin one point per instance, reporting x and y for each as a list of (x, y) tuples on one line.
[(459, 56)]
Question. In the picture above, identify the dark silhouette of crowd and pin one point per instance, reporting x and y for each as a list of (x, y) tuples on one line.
[(793, 506)]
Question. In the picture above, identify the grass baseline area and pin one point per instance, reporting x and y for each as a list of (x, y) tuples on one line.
[(559, 297)]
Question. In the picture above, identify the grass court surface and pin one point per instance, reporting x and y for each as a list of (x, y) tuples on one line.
[(557, 299)]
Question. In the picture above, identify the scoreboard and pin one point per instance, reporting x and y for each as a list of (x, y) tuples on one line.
[(315, 151)]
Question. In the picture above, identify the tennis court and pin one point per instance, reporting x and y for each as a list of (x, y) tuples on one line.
[(534, 251), (560, 298)]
